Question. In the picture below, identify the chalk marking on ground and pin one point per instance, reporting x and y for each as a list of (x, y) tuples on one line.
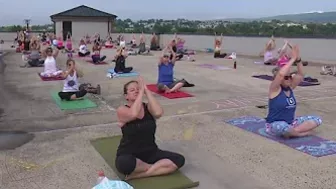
[(104, 103), (172, 116)]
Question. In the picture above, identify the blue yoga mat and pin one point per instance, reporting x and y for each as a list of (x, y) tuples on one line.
[(131, 74), (302, 84), (209, 50), (312, 145)]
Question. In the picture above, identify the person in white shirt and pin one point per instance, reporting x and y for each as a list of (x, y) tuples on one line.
[(122, 42), (72, 90), (269, 58), (50, 68), (83, 50)]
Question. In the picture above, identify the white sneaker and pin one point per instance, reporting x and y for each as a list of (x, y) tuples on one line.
[(233, 56)]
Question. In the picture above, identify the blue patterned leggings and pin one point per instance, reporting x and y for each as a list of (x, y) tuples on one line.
[(280, 128)]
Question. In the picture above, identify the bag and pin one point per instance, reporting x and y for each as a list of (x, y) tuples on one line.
[(112, 184)]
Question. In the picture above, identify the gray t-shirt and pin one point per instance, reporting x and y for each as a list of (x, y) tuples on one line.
[(35, 55)]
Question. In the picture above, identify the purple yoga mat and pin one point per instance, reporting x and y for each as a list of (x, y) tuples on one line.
[(312, 145), (214, 67), (270, 78)]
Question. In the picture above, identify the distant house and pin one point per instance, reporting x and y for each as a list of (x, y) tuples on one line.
[(83, 20)]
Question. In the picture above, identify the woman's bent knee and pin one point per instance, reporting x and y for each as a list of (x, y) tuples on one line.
[(178, 160), (125, 164), (317, 119), (81, 93)]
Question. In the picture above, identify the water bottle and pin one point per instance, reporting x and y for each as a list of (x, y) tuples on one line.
[(101, 176)]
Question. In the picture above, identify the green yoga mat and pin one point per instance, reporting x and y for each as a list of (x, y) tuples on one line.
[(107, 148), (74, 104)]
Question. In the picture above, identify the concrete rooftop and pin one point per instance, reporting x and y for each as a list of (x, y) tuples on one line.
[(218, 155)]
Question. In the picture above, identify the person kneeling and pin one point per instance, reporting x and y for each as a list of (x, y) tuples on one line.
[(281, 119), (71, 88), (166, 81), (120, 60), (138, 155)]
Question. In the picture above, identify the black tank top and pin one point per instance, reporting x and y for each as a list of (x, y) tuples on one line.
[(138, 135)]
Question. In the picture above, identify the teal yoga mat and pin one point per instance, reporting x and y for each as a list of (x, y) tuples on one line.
[(131, 74)]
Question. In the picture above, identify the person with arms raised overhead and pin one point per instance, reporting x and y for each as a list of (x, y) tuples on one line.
[(68, 44), (281, 119), (96, 57), (154, 44), (83, 49), (166, 65), (120, 60), (142, 45), (35, 57), (218, 47), (50, 66), (173, 45), (138, 155), (269, 58)]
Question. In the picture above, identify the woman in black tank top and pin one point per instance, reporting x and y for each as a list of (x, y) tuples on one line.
[(138, 155)]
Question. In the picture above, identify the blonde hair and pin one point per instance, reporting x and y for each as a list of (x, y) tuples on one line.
[(78, 70)]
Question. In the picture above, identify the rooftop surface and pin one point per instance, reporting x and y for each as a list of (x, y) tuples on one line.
[(226, 157)]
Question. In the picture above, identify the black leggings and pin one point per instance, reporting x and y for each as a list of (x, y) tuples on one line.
[(155, 48), (36, 63), (125, 70), (83, 55), (178, 56), (67, 95), (219, 55), (126, 163)]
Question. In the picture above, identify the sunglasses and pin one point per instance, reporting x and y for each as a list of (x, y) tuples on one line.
[(165, 56), (288, 77)]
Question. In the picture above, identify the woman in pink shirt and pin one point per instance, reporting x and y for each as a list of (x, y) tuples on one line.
[(60, 45), (68, 44)]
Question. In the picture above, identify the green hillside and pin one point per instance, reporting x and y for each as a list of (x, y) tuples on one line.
[(326, 17)]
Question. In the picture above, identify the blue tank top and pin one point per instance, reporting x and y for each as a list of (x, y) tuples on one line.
[(166, 73), (282, 107)]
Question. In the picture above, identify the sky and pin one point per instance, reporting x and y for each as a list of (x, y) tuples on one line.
[(39, 11)]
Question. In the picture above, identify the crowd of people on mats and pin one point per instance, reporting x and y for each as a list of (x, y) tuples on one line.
[(138, 155)]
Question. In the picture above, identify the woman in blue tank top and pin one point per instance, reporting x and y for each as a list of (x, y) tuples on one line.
[(281, 119), (166, 65)]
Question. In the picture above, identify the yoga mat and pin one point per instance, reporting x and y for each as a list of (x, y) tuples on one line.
[(214, 67), (209, 50), (107, 148), (302, 84), (73, 104), (50, 78), (312, 145), (77, 56), (178, 94), (131, 74), (100, 63)]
